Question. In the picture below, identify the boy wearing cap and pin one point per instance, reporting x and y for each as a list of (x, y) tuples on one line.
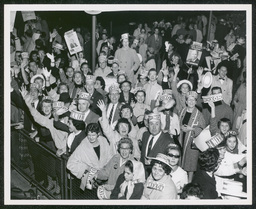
[(103, 69)]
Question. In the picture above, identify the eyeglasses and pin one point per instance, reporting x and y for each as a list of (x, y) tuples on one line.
[(175, 156)]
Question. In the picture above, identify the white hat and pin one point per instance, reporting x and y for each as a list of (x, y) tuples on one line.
[(185, 81), (102, 58), (32, 80), (114, 87), (58, 46), (84, 96), (58, 104), (162, 158), (90, 78), (125, 36), (154, 117), (77, 115), (207, 80)]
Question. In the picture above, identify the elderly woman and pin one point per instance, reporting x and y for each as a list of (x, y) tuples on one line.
[(192, 123), (159, 184), (114, 168), (128, 58), (84, 164), (179, 176), (129, 184)]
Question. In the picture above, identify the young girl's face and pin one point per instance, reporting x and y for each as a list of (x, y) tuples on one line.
[(231, 143), (184, 88), (140, 97), (128, 175)]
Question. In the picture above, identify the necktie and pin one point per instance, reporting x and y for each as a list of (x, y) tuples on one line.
[(150, 145), (110, 115), (167, 122)]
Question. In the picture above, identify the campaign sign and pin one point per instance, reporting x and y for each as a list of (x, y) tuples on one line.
[(193, 57), (72, 42), (28, 15), (212, 98)]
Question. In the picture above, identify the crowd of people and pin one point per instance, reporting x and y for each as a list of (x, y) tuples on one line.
[(130, 128)]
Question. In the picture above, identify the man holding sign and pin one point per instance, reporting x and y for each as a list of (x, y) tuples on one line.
[(222, 110)]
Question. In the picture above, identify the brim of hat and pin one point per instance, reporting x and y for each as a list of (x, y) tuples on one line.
[(235, 194), (90, 101), (58, 48), (184, 81), (158, 159), (32, 80), (208, 84)]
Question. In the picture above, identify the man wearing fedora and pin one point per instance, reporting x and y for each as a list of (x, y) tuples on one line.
[(154, 141)]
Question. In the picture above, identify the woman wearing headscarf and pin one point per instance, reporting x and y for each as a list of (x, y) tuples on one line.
[(129, 184)]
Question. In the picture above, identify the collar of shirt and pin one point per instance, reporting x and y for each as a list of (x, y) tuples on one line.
[(71, 138)]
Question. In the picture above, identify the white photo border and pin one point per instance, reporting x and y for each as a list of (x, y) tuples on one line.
[(123, 7)]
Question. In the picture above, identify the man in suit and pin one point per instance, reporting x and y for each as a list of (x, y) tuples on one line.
[(225, 83), (155, 41), (114, 107), (154, 141), (95, 95), (83, 103)]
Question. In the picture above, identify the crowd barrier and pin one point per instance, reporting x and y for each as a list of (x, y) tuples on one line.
[(34, 162)]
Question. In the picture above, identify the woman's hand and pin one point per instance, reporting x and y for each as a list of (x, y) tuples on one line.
[(211, 104), (176, 69), (186, 128), (101, 105)]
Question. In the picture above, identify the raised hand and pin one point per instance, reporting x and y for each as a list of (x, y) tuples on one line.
[(50, 56), (47, 73), (101, 105), (23, 91), (176, 69), (211, 104)]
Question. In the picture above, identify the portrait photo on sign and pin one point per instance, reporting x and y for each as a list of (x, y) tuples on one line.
[(193, 57)]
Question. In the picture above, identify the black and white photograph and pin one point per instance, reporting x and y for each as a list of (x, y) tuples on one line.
[(116, 104)]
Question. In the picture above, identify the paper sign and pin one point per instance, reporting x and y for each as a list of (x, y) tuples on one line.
[(212, 98), (72, 42), (28, 15), (77, 115), (214, 141), (193, 57), (12, 20), (197, 45)]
